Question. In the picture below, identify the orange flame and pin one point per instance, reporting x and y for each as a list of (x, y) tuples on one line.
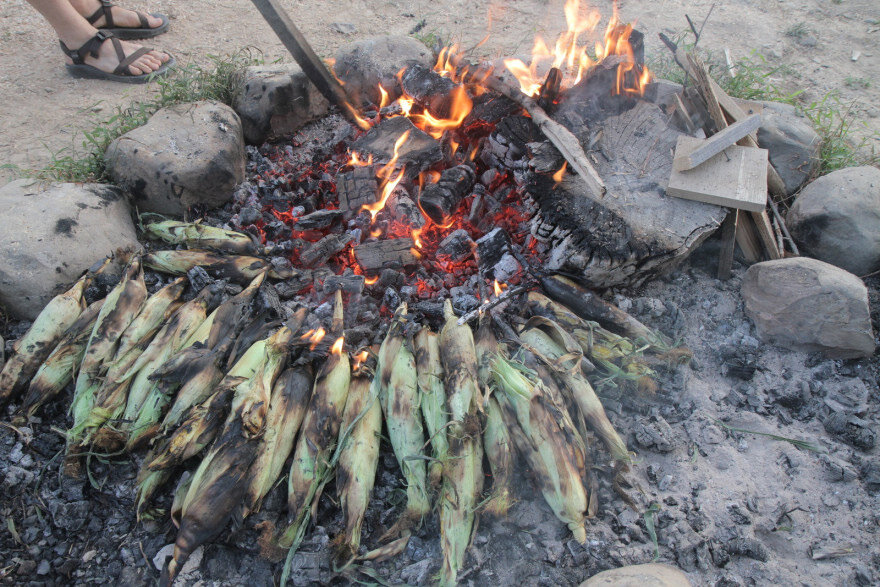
[(388, 184), (460, 106), (384, 101), (557, 177), (497, 287), (376, 233), (336, 349), (406, 104), (360, 359), (356, 161), (571, 58), (371, 280), (416, 233), (315, 337)]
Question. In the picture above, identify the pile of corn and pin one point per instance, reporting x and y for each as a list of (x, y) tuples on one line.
[(206, 386)]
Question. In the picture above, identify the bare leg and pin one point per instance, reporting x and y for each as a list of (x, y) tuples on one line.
[(121, 16), (73, 30)]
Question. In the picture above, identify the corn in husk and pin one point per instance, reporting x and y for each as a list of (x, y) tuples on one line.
[(545, 435), (356, 470), (554, 346), (41, 339), (221, 480), (433, 399), (463, 470), (57, 370), (315, 447), (240, 269), (196, 235)]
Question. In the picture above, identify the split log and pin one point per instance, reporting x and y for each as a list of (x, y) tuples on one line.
[(419, 152), (392, 253), (441, 200)]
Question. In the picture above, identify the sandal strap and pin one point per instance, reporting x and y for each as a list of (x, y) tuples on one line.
[(145, 24), (124, 62), (91, 47), (103, 10)]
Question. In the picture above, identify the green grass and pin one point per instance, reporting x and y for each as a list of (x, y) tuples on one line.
[(84, 161), (759, 79), (798, 30), (857, 83)]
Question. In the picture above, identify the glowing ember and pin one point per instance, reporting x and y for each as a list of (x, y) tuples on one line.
[(389, 184), (371, 280)]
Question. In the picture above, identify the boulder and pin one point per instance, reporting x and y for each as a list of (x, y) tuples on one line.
[(51, 233), (647, 575), (837, 219), (791, 142), (186, 155), (276, 100), (805, 304), (363, 65)]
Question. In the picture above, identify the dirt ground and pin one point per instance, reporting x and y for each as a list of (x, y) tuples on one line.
[(43, 108)]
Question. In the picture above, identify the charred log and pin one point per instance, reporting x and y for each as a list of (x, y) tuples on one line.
[(356, 189), (417, 153), (428, 88), (441, 200), (318, 253), (394, 253)]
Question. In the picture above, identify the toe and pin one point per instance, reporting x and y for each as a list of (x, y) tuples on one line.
[(153, 22), (159, 56)]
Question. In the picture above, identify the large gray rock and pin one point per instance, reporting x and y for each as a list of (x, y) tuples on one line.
[(837, 219), (791, 142), (185, 155), (647, 575), (805, 304), (51, 233), (275, 100), (363, 65)]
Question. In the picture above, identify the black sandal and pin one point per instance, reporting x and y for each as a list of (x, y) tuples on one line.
[(79, 68), (145, 31)]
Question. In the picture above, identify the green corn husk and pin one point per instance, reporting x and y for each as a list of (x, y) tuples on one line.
[(41, 339), (226, 322), (433, 399), (197, 382), (545, 436), (463, 470), (148, 482), (549, 342), (318, 437), (499, 449), (196, 235), (57, 370), (221, 480), (356, 469), (146, 400), (388, 352), (111, 396), (200, 424), (404, 423), (120, 308), (240, 269), (290, 398)]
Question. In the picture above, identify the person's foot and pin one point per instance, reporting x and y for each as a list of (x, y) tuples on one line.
[(108, 60), (122, 17)]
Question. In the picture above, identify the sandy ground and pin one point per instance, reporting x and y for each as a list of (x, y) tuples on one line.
[(43, 109)]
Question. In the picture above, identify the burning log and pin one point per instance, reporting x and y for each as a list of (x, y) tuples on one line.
[(389, 253), (419, 152), (428, 88), (356, 188), (319, 252), (441, 200), (318, 219)]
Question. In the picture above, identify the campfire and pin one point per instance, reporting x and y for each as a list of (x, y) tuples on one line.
[(465, 196)]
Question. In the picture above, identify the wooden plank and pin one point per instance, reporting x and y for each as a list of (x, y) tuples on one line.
[(685, 116), (734, 178), (765, 233), (747, 238), (716, 143), (728, 243)]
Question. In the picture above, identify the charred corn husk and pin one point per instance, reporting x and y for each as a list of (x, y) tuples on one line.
[(197, 383), (290, 398), (226, 322), (463, 470), (57, 370), (546, 438), (120, 308), (196, 235), (433, 399), (388, 352), (499, 449), (240, 269), (356, 469), (318, 437), (221, 480), (148, 482), (404, 422), (179, 495), (41, 339), (553, 345)]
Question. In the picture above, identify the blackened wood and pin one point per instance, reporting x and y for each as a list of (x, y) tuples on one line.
[(318, 253), (392, 253), (419, 152), (545, 158), (356, 188), (302, 52), (428, 88), (317, 220), (457, 246), (549, 91), (440, 201), (490, 248)]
